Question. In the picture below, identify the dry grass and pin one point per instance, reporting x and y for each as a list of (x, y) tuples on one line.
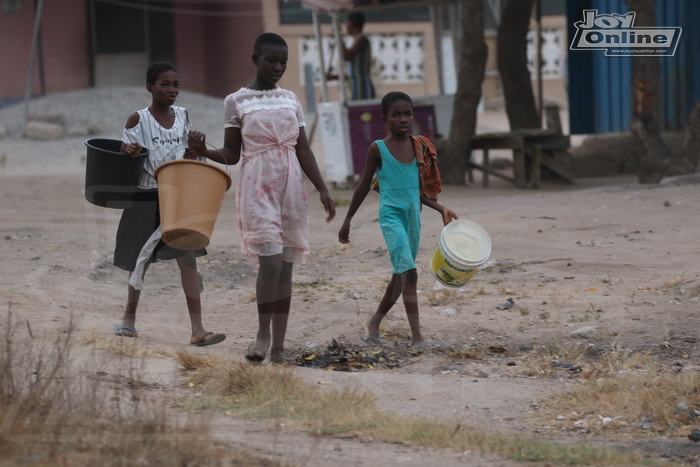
[(214, 374), (123, 346), (539, 362), (466, 354), (644, 402), (258, 391), (684, 290), (676, 281), (618, 391), (559, 300), (52, 411), (443, 296), (273, 392), (454, 297)]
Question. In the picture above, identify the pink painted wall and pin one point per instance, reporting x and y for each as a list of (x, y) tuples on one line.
[(64, 41), (213, 51), (189, 44)]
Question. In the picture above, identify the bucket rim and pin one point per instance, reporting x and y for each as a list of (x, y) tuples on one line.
[(448, 255), (454, 256), (90, 144), (194, 162)]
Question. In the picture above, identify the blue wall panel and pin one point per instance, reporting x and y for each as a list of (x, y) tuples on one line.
[(600, 94), (680, 75)]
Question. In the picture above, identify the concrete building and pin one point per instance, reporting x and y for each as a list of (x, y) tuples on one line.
[(94, 43)]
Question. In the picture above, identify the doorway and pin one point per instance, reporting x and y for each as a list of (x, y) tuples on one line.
[(126, 37)]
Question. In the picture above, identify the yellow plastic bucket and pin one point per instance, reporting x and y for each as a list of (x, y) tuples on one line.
[(464, 246), (190, 194)]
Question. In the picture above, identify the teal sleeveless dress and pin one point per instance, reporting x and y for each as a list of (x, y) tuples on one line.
[(399, 209)]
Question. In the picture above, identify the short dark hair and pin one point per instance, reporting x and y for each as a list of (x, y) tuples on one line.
[(391, 98), (156, 68), (357, 18), (268, 38)]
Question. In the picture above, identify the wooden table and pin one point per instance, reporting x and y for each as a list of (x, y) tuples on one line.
[(531, 148)]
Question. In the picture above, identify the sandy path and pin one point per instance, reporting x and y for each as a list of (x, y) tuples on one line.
[(568, 257)]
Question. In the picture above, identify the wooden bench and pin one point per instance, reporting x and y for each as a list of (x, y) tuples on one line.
[(532, 148)]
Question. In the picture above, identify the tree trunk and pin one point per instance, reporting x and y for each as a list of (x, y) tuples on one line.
[(512, 64), (654, 161), (689, 160), (469, 80)]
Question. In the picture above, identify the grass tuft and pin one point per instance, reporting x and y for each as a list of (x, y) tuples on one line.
[(627, 402), (268, 391), (123, 346), (52, 410)]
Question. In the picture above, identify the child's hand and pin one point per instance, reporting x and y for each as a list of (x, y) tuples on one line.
[(344, 233), (190, 153), (132, 149), (448, 215), (198, 142), (328, 205)]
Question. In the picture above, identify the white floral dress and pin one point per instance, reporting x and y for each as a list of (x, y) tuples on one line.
[(271, 197)]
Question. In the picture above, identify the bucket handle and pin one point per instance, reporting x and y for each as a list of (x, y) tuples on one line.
[(228, 171)]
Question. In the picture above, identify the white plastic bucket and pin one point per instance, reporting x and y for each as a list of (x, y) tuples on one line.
[(464, 246)]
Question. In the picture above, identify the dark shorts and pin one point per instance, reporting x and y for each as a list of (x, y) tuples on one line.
[(137, 224)]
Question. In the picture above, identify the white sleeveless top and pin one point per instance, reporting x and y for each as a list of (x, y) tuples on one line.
[(164, 144)]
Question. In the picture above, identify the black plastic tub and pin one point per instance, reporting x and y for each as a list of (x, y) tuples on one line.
[(111, 176)]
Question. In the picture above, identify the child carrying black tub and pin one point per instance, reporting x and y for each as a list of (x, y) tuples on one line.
[(164, 129)]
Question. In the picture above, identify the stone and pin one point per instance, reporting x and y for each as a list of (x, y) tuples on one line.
[(48, 117), (43, 131), (94, 127), (78, 129), (586, 332)]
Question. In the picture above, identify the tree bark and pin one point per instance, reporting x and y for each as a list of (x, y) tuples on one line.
[(689, 161), (469, 80), (655, 162), (653, 159), (512, 64)]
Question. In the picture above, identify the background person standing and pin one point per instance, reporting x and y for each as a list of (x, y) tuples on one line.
[(358, 58)]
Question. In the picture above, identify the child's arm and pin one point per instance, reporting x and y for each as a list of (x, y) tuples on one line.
[(448, 215), (132, 149), (231, 152), (357, 43), (363, 187), (310, 168)]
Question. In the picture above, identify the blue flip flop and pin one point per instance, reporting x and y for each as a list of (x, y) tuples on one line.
[(125, 331), (371, 340)]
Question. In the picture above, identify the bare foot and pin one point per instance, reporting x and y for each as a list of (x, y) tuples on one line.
[(373, 327), (258, 350), (262, 342), (129, 321), (277, 355), (255, 356), (418, 343), (128, 326)]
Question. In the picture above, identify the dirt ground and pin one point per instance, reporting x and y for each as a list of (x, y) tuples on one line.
[(604, 253)]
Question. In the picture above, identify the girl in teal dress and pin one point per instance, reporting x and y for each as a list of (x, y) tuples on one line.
[(406, 180)]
